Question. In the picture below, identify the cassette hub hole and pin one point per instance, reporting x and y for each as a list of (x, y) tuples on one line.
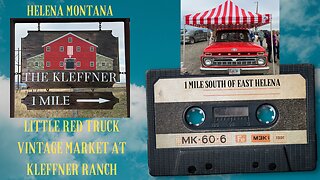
[(272, 166), (195, 116), (192, 169), (266, 114), (255, 164), (208, 166)]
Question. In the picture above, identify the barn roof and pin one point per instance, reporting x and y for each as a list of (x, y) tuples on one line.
[(67, 35)]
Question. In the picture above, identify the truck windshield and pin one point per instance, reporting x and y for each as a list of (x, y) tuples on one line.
[(232, 36)]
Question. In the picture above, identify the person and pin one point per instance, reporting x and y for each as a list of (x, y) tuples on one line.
[(261, 37), (212, 36), (268, 39), (251, 36)]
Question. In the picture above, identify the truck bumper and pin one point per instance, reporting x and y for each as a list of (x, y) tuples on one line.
[(255, 70)]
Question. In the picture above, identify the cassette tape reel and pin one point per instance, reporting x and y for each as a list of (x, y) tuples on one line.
[(231, 124)]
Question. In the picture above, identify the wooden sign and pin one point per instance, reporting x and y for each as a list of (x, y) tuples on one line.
[(79, 68), (69, 100)]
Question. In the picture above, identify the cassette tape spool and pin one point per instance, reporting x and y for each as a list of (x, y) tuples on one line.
[(236, 116), (205, 130)]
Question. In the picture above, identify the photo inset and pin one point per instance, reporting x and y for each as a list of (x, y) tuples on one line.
[(230, 37), (70, 69)]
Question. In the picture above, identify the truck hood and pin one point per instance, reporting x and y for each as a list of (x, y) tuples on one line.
[(222, 47)]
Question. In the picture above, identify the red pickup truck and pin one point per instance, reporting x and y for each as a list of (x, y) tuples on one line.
[(234, 52)]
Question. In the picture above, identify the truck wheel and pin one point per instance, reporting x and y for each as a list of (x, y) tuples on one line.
[(192, 41)]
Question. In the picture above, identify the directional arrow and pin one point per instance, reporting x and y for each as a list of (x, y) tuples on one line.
[(69, 100), (100, 100)]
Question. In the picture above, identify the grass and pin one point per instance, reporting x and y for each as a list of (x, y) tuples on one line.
[(118, 111)]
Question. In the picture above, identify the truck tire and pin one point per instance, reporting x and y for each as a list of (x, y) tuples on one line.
[(192, 41)]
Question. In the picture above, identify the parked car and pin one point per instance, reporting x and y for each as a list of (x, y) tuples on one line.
[(195, 35), (233, 52)]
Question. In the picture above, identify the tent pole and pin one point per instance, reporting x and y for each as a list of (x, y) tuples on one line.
[(272, 48), (209, 33), (184, 47)]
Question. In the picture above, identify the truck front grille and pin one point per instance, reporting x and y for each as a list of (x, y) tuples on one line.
[(234, 61)]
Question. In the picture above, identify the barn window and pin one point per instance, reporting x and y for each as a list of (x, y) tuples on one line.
[(48, 48), (48, 64), (91, 48), (70, 63), (91, 64), (103, 64), (69, 39), (78, 64), (78, 48), (61, 48), (36, 64), (61, 64)]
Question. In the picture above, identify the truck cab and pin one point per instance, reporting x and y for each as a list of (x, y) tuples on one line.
[(233, 52)]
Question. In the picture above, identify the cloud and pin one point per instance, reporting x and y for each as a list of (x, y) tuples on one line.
[(2, 5), (301, 33), (138, 102), (13, 164), (302, 45), (132, 130), (296, 13), (5, 94)]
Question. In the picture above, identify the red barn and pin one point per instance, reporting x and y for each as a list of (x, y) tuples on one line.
[(70, 52)]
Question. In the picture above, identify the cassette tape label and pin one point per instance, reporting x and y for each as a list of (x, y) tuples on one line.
[(230, 88), (231, 139)]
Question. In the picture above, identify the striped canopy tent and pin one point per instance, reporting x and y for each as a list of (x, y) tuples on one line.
[(227, 15)]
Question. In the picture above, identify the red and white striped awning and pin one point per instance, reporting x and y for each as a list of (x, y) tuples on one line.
[(227, 15)]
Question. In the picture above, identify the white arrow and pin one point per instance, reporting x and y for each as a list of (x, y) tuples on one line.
[(100, 100)]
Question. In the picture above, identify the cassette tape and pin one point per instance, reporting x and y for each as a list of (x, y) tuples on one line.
[(203, 124)]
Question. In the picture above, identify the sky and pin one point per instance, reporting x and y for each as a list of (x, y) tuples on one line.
[(265, 7), (153, 46)]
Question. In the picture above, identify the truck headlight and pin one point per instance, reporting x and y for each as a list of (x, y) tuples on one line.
[(261, 61), (207, 61)]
